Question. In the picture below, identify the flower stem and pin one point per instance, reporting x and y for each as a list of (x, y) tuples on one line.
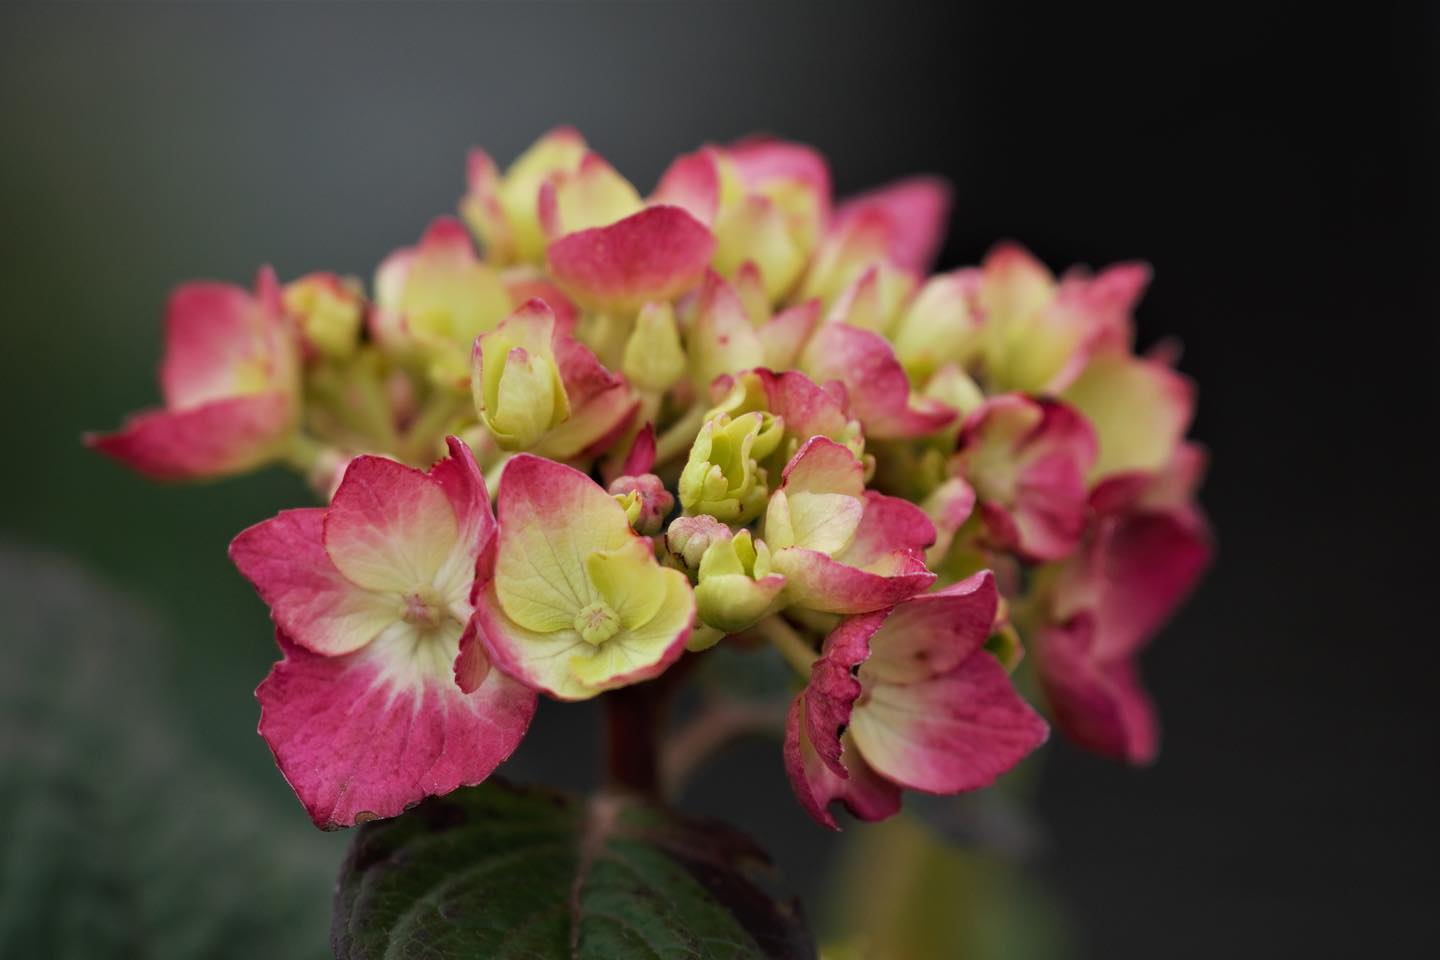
[(631, 746), (634, 719), (796, 649)]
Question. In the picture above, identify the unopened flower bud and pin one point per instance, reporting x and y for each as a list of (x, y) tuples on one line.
[(689, 537), (328, 312), (654, 359), (646, 501), (722, 477), (516, 384), (736, 587)]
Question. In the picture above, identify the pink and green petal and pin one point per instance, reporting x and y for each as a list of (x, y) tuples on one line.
[(1140, 409), (953, 732), (309, 598), (551, 518), (222, 341), (592, 195), (1027, 460), (819, 582), (692, 183), (917, 210), (217, 438), (656, 254), (878, 389), (390, 527)]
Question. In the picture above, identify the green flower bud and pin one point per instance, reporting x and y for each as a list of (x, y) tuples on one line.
[(515, 381), (736, 587), (689, 537), (654, 359), (723, 477)]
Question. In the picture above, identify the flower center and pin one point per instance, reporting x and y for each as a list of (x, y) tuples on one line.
[(597, 623), (424, 609)]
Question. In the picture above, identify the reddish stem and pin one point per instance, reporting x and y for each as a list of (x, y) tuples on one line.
[(634, 719)]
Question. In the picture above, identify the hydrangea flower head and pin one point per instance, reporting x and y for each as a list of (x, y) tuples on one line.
[(734, 410)]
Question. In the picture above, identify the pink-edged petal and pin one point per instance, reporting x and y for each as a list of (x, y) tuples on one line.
[(784, 335), (809, 410), (523, 286), (832, 689), (361, 737), (764, 161), (390, 527), (889, 526), (819, 582), (1107, 302), (1098, 702), (692, 183), (217, 438), (310, 600), (953, 732), (722, 339), (933, 633), (656, 254), (917, 209), (482, 207), (948, 506), (879, 390), (211, 334), (552, 517), (1027, 459), (460, 478), (863, 793), (1140, 409)]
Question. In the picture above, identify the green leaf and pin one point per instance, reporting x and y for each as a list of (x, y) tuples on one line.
[(120, 837), (501, 873)]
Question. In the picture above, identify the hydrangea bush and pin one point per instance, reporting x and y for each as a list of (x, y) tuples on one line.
[(578, 437)]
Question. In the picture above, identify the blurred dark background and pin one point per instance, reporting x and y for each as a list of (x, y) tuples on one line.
[(1275, 167)]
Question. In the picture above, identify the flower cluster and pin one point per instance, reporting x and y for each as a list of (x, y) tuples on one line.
[(732, 409)]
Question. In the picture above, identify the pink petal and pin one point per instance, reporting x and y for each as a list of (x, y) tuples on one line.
[(1099, 703), (878, 388), (1028, 459), (460, 478), (937, 712), (889, 526), (761, 161), (784, 335), (953, 732), (808, 409), (832, 689), (310, 600), (692, 183), (524, 287), (1107, 301), (820, 582), (917, 210), (217, 438), (656, 254), (355, 744), (933, 633), (642, 453), (816, 786), (217, 333), (1143, 566)]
